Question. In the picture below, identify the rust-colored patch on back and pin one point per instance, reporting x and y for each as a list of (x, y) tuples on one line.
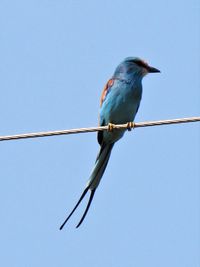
[(105, 90)]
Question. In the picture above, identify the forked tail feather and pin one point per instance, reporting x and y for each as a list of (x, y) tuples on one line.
[(95, 177)]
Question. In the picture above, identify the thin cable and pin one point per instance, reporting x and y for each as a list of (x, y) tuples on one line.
[(126, 126)]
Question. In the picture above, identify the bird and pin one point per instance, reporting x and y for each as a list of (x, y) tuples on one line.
[(119, 103)]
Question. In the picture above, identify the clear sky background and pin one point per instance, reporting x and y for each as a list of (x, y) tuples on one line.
[(55, 58)]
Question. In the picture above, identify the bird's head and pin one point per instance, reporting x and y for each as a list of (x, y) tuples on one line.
[(134, 66)]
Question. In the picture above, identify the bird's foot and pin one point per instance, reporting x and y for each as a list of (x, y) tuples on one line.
[(130, 126), (111, 126)]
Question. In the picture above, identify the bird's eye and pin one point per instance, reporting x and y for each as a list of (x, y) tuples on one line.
[(141, 63)]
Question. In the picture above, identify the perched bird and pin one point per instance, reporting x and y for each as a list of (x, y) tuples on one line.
[(119, 104)]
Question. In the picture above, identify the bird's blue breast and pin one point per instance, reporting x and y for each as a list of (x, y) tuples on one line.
[(120, 106)]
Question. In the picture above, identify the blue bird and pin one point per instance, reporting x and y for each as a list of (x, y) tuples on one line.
[(119, 104)]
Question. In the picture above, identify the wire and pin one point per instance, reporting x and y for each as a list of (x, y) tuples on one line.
[(109, 127)]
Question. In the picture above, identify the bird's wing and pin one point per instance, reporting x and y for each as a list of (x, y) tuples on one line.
[(104, 94), (106, 90)]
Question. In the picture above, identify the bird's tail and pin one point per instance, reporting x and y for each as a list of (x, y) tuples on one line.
[(94, 180), (100, 166)]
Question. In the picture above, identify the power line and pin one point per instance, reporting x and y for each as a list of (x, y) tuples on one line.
[(110, 127)]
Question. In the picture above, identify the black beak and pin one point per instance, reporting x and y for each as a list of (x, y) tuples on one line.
[(152, 69)]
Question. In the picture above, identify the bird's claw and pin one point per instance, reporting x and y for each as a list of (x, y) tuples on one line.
[(111, 126), (130, 125)]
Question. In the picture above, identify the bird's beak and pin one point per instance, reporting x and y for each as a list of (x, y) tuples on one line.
[(152, 69)]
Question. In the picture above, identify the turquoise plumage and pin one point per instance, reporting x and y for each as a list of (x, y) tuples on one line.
[(119, 103)]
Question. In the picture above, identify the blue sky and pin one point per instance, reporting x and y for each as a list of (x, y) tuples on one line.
[(56, 56)]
